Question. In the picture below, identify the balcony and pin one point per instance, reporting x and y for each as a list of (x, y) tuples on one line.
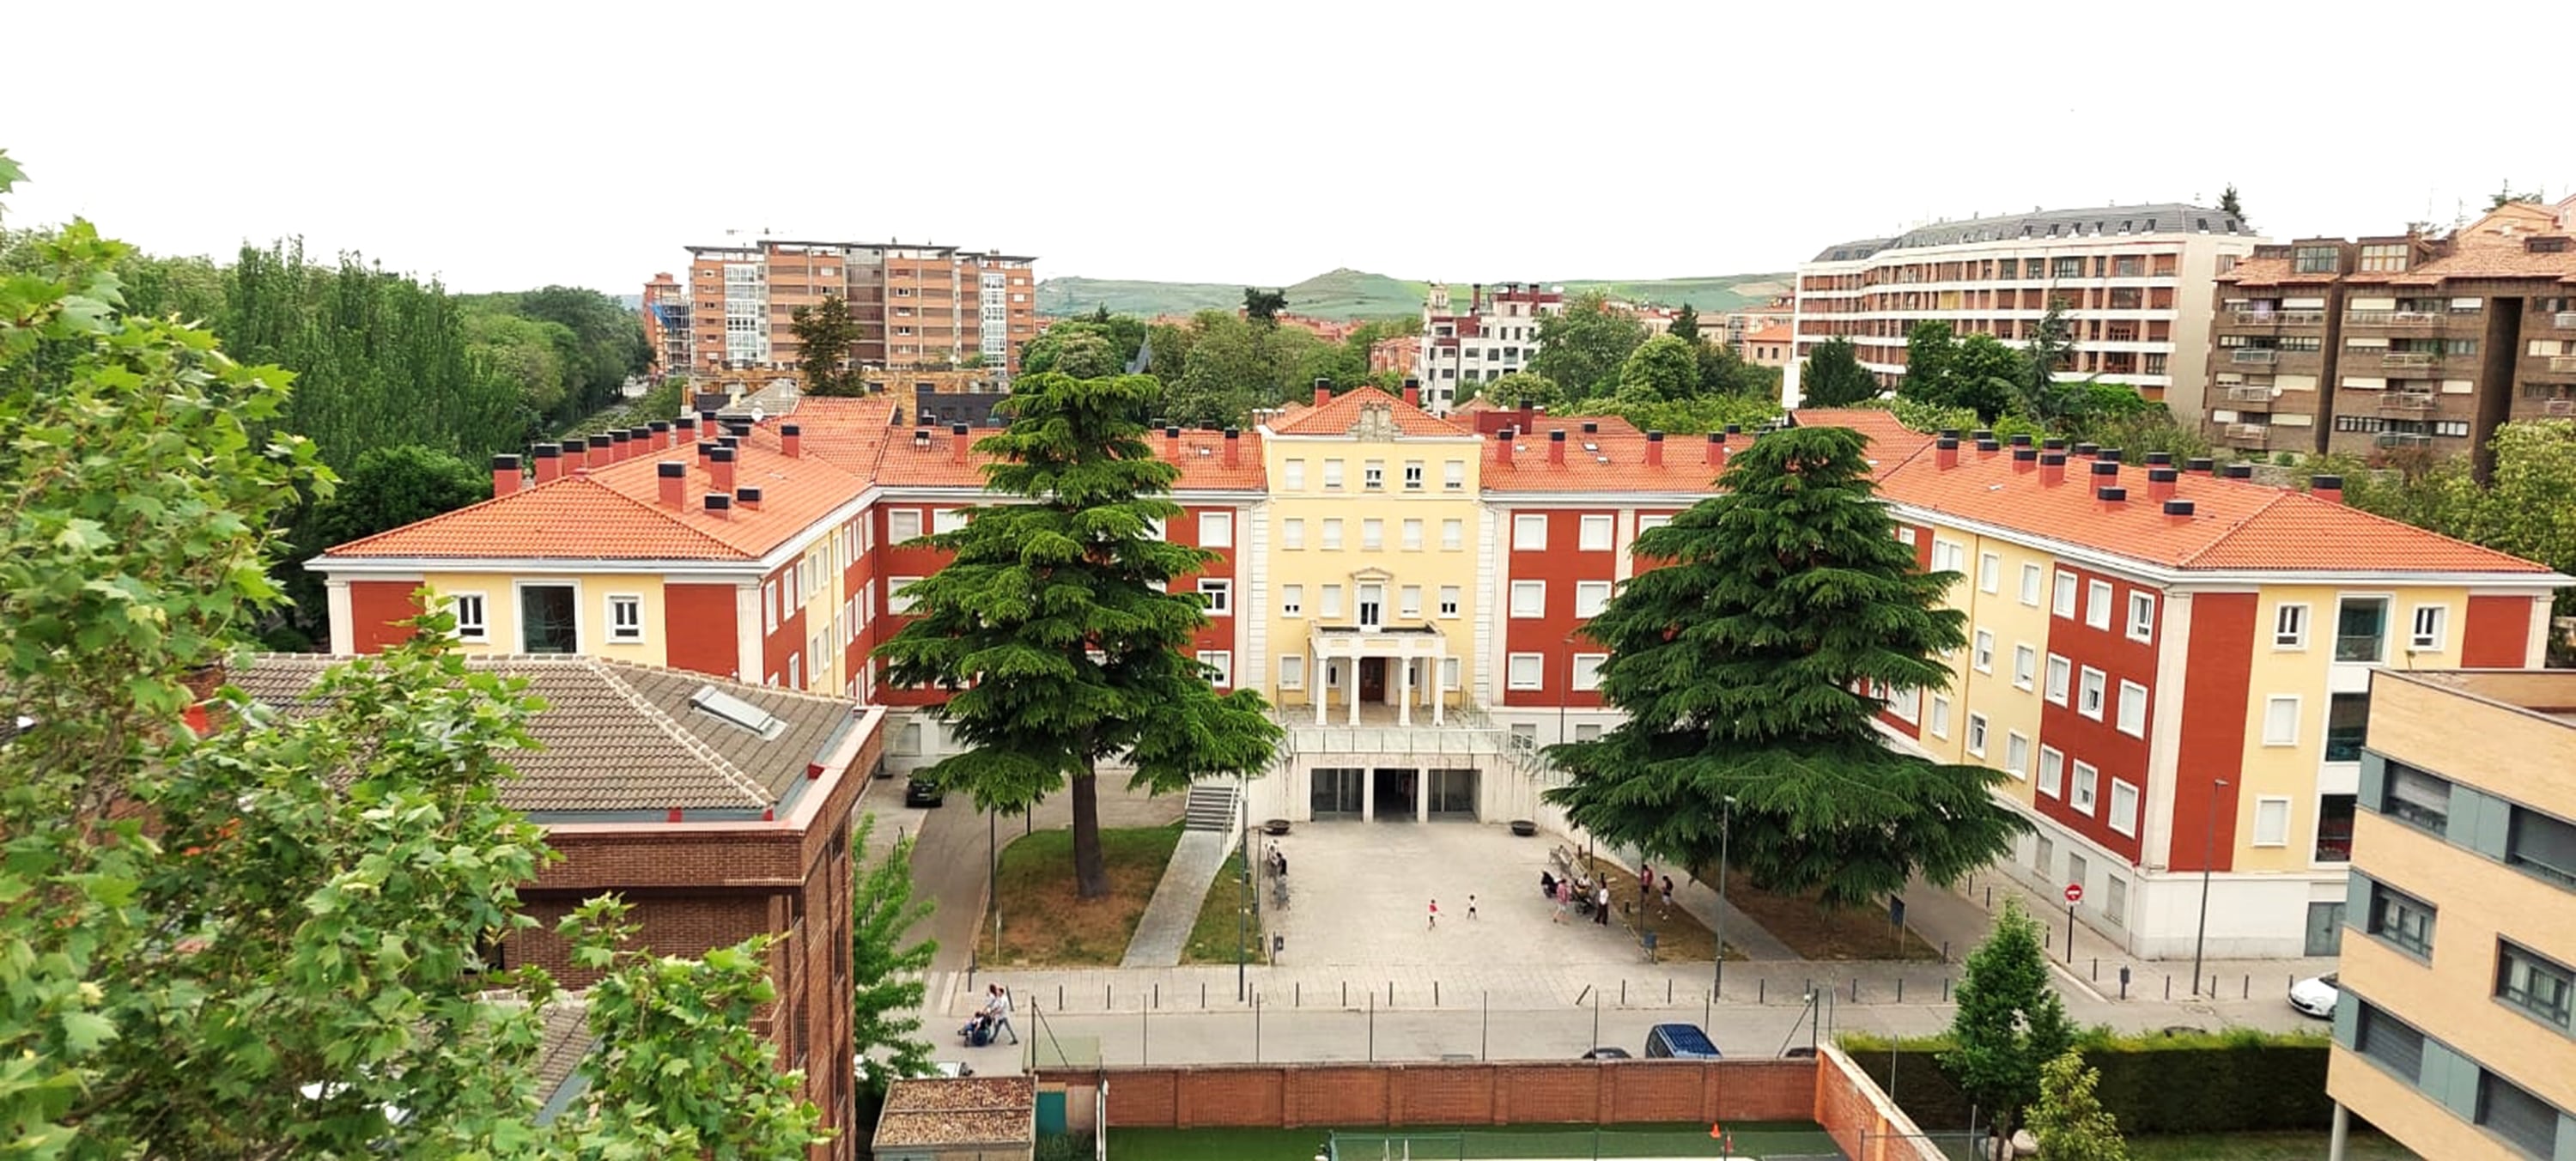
[(2564, 320), (2402, 360), (2246, 435), (2391, 318), (2562, 363), (2265, 356), (2403, 439), (2406, 401), (2559, 407), (2280, 318), (2257, 396)]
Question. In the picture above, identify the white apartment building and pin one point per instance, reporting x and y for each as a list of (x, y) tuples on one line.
[(2135, 283), (1495, 336)]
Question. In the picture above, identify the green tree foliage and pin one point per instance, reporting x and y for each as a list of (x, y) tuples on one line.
[(2506, 195), (394, 486), (1702, 415), (1171, 351), (2040, 395), (1833, 377), (1723, 372), (1740, 665), (1233, 367), (2069, 1119), (1930, 344), (1582, 348), (885, 965), (2009, 1021), (825, 334), (1941, 370), (1080, 348), (2523, 508), (259, 943), (1049, 627), (1685, 324), (1661, 369), (2229, 205), (609, 346), (1263, 306), (1522, 389)]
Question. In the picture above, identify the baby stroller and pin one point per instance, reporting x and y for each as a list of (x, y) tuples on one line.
[(978, 1032)]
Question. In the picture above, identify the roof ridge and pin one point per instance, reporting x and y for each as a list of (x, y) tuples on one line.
[(657, 510), (2284, 495), (695, 746), (2237, 527), (531, 491)]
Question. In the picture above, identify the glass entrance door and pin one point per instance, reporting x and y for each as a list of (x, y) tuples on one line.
[(1336, 792)]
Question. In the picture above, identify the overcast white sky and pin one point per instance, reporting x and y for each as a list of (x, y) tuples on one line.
[(501, 146)]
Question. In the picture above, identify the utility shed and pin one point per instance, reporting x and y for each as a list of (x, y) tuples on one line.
[(970, 1118)]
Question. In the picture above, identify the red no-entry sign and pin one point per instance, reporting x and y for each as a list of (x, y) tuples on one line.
[(2075, 892)]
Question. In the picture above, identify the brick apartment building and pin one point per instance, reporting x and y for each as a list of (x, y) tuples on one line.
[(915, 306), (721, 810), (2398, 345), (666, 322), (2135, 282), (1496, 335)]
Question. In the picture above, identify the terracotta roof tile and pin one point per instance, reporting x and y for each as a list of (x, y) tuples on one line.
[(2272, 272), (1890, 442), (1338, 416), (1774, 332)]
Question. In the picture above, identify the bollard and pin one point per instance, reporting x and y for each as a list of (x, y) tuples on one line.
[(1108, 996), (2249, 987), (1297, 992), (1945, 989), (2213, 985), (1346, 993), (1145, 1046), (1623, 993), (2168, 987), (1059, 997), (2097, 969), (1855, 989), (1202, 996), (1761, 991), (2124, 981), (1990, 896), (1158, 993), (1900, 991), (1668, 993), (1390, 993), (1435, 993), (1945, 951)]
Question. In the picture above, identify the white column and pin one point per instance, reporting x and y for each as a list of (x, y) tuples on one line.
[(1355, 682), (1319, 677), (1439, 692), (1368, 794), (1403, 663)]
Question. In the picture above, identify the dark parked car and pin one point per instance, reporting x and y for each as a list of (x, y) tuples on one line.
[(1606, 1052), (1681, 1041), (923, 792)]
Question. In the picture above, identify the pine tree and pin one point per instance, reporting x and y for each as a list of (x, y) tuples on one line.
[(2229, 205), (2069, 1119), (825, 333), (1049, 627), (2009, 1021), (1685, 324), (1742, 664), (886, 973), (1834, 377)]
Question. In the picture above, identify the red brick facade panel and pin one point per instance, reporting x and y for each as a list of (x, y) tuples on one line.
[(375, 610), (701, 629), (2219, 663), (2099, 742), (2498, 635)]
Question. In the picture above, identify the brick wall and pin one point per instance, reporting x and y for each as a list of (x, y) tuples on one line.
[(1859, 1117), (1573, 1092)]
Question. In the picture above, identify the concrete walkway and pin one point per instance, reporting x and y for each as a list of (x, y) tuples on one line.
[(1174, 909)]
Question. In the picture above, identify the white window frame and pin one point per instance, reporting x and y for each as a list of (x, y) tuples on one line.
[(1529, 599), (620, 633), (2017, 754), (2123, 818), (1990, 572), (1409, 535), (897, 599), (1218, 594), (1292, 476), (1453, 475), (1450, 673), (902, 524), (1978, 728), (1292, 600), (2084, 789), (1408, 602), (1332, 538), (1216, 529), (1648, 523), (1328, 604), (1372, 475), (1594, 533), (1292, 533), (2025, 673), (1332, 475), (2061, 679), (1590, 597), (946, 520), (1453, 535), (2052, 772), (1906, 704), (2279, 805), (1449, 600), (2098, 596), (1413, 475), (2132, 718), (1525, 671), (1949, 556), (1372, 534), (1937, 723), (1584, 672), (2092, 692), (1981, 653), (2031, 583), (477, 629), (2142, 616), (2062, 601), (2290, 621), (2428, 639), (1221, 660), (1292, 671), (1529, 532), (768, 607), (2290, 736)]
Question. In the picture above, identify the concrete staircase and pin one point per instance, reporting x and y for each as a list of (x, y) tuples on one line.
[(1211, 807)]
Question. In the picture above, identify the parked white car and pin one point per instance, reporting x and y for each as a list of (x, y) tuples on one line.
[(2316, 996)]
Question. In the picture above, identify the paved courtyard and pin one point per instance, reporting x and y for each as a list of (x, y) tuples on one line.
[(1360, 895)]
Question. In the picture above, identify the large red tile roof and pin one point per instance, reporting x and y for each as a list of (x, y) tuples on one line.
[(1340, 415)]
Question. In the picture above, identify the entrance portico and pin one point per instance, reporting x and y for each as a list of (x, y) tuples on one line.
[(1395, 665)]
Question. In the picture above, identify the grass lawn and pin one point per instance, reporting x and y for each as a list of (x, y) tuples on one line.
[(2262, 1147), (1212, 938), (1045, 924), (1553, 1141), (1679, 935), (1815, 931)]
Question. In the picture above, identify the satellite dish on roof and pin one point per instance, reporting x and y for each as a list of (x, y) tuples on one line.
[(755, 413)]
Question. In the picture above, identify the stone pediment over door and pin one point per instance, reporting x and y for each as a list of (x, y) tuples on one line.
[(1372, 575), (1376, 424)]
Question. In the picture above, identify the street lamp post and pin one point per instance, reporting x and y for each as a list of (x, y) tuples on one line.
[(1725, 831), (2208, 854), (993, 872)]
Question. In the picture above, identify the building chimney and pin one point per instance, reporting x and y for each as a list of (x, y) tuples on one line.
[(1503, 445), (1982, 435), (720, 505), (639, 440), (575, 456), (957, 442), (1529, 418), (506, 477), (2052, 469), (1715, 454), (2110, 453), (1591, 427), (548, 463), (1945, 453), (707, 424), (2025, 459), (2159, 459), (1172, 442), (2055, 444), (1948, 433), (618, 442), (2177, 511), (2240, 471), (2021, 441), (1413, 392), (2160, 483), (2113, 498), (603, 451), (2106, 472), (1323, 391), (2326, 488), (1556, 447), (720, 468), (661, 429), (684, 430), (1735, 429), (2086, 449), (791, 440), (674, 478), (1654, 449), (748, 498), (1233, 448), (2199, 465)]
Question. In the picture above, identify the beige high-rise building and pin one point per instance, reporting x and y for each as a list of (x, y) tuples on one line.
[(916, 306)]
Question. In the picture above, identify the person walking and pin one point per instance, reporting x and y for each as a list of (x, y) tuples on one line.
[(1601, 906), (1668, 896), (1002, 1013), (1435, 914), (1564, 899), (1471, 908)]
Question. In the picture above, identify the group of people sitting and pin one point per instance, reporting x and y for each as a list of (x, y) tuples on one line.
[(991, 1020)]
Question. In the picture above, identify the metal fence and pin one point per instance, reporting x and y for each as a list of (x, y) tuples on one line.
[(1770, 1141)]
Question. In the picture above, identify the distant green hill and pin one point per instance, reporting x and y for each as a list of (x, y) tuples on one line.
[(1349, 293)]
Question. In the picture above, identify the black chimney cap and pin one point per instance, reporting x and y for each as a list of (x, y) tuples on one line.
[(2329, 483), (545, 451), (2106, 467), (2177, 507), (2162, 475), (2110, 453), (1735, 429), (720, 454), (2198, 464), (2021, 441), (2053, 458), (2154, 458), (1233, 433), (2055, 444), (718, 501), (1556, 436), (2025, 453), (505, 462), (790, 429), (956, 429), (2086, 449), (1654, 437), (2240, 471), (1947, 443), (658, 425), (748, 495), (670, 469), (2111, 495), (600, 441), (1951, 434)]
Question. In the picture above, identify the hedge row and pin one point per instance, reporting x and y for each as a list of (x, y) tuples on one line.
[(2242, 1081)]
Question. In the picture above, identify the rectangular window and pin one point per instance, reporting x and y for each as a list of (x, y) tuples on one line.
[(2361, 629), (2271, 822), (625, 618), (2064, 604), (2016, 754), (1525, 671), (769, 606), (1449, 671), (2142, 617), (1650, 523), (1408, 602), (549, 619), (1977, 734), (903, 524), (2124, 808), (947, 520), (2052, 771), (2347, 726), (1292, 672), (1373, 476), (2030, 585), (2541, 845), (2290, 627), (2060, 673), (1587, 670), (907, 741), (2281, 720), (1949, 556), (2512, 1112), (2535, 984), (1448, 600), (1333, 475), (1329, 605), (1590, 597), (2097, 604), (2390, 1042), (1453, 475), (1990, 572), (1333, 535), (1983, 654), (1372, 534), (2088, 693), (467, 608), (1216, 529), (1410, 536), (1939, 726), (2133, 709), (2401, 920), (1906, 704), (2429, 623), (1220, 665), (1529, 533), (1413, 475), (2025, 666), (1292, 533), (1453, 535), (2080, 795), (1219, 596), (1529, 598), (1292, 600), (1292, 476), (1593, 534)]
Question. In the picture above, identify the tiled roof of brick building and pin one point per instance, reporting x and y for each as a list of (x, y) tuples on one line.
[(1890, 441), (1611, 459), (1343, 413), (2272, 272), (1769, 332), (620, 737), (927, 458)]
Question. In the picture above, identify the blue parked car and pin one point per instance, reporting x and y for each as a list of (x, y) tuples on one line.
[(1680, 1041)]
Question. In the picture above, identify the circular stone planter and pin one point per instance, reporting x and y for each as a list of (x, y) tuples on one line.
[(1524, 828), (1276, 826)]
